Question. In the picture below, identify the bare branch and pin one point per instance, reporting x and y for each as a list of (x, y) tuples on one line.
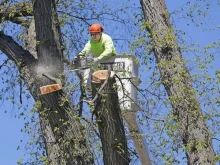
[(81, 18), (216, 139)]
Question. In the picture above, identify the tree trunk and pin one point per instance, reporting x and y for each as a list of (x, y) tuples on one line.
[(193, 130), (63, 133), (63, 121), (110, 124)]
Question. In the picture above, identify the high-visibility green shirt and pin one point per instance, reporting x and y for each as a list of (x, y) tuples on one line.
[(102, 49)]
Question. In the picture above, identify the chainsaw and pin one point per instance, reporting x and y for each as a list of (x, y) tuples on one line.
[(82, 62)]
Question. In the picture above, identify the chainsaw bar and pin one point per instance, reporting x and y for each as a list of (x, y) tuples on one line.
[(77, 69)]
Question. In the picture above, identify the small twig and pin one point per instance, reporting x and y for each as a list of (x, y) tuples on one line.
[(123, 88), (20, 96), (4, 63), (216, 139), (138, 89), (134, 101)]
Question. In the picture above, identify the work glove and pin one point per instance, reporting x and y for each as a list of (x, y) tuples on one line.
[(96, 59), (79, 56)]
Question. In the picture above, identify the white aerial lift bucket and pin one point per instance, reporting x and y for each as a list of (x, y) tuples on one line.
[(126, 68)]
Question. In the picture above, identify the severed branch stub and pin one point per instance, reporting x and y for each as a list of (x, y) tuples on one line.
[(52, 87), (97, 78)]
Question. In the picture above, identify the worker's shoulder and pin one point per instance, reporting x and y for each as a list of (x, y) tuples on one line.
[(106, 36)]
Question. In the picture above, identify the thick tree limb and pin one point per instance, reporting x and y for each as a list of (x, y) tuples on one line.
[(21, 21), (14, 51)]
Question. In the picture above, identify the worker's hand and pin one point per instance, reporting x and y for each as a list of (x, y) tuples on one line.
[(79, 56), (96, 59)]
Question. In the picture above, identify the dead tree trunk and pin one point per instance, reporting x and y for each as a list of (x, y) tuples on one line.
[(110, 124), (176, 79)]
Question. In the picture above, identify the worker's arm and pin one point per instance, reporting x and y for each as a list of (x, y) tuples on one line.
[(86, 50), (109, 49)]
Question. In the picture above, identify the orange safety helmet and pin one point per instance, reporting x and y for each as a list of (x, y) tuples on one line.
[(95, 28)]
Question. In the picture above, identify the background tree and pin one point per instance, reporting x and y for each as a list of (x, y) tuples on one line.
[(178, 84)]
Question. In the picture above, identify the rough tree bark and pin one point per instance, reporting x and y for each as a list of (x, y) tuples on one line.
[(110, 124), (176, 79), (64, 134)]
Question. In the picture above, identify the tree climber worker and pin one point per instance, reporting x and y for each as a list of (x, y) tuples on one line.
[(100, 46)]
